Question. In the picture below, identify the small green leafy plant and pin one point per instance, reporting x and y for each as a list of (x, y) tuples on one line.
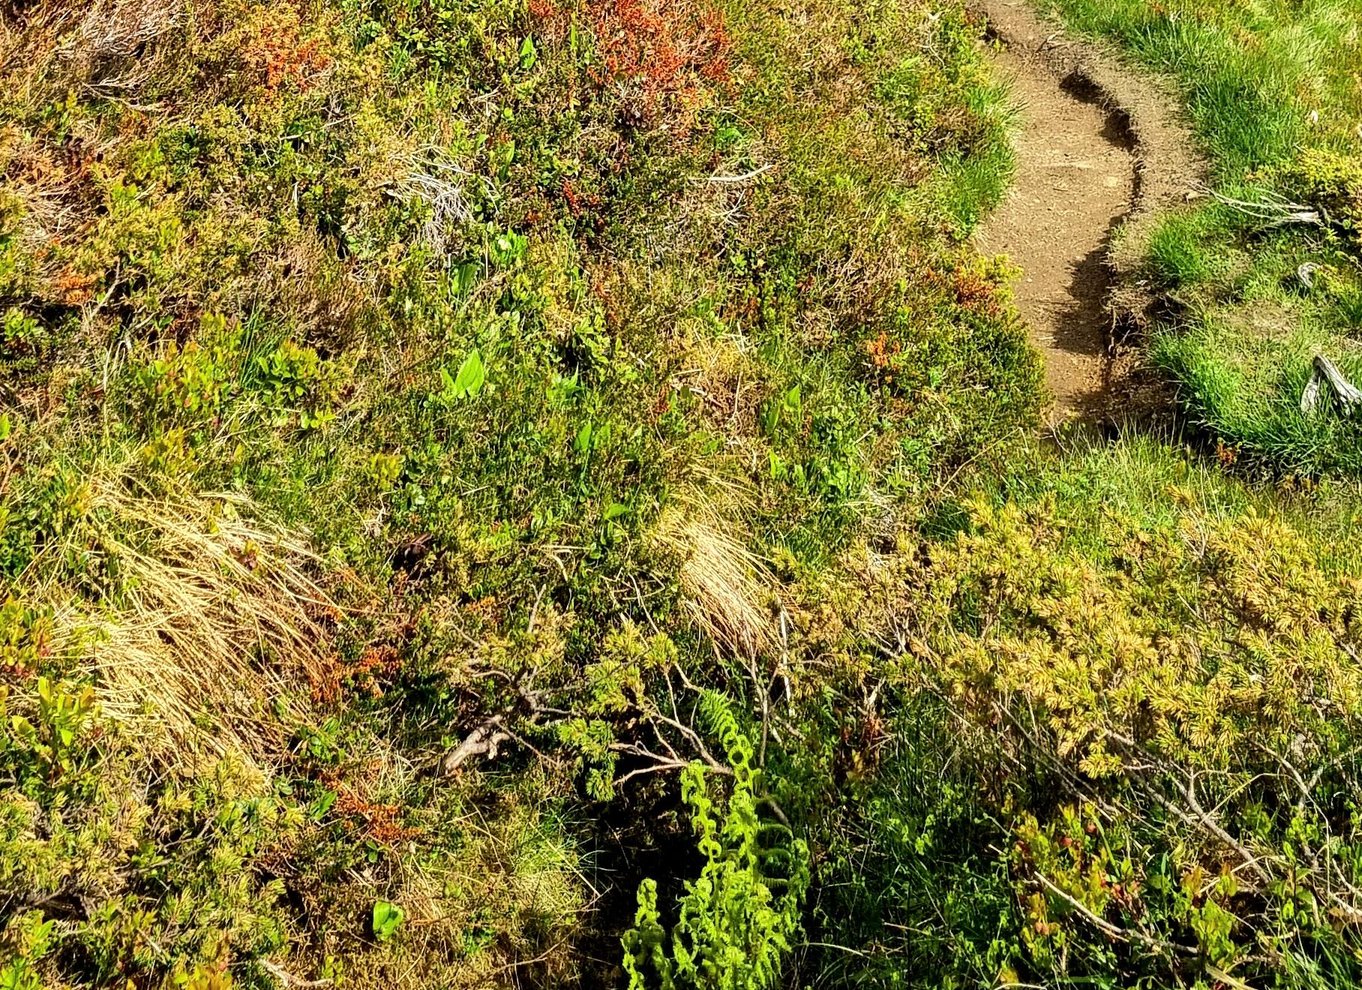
[(387, 920), (734, 923)]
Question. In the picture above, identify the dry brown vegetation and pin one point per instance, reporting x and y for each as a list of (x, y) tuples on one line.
[(727, 588), (219, 624)]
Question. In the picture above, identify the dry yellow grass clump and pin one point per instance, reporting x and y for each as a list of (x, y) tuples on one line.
[(216, 624), (102, 46), (726, 586)]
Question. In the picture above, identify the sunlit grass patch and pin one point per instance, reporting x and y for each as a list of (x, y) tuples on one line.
[(1270, 95), (1246, 384)]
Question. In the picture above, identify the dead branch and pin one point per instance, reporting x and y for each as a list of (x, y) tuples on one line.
[(1107, 928), (1325, 371), (735, 179), (482, 741), (1273, 210), (288, 979)]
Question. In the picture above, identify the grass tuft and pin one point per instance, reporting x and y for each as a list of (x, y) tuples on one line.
[(727, 588), (217, 624)]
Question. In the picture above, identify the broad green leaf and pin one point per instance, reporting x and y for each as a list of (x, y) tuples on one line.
[(387, 918), (468, 382)]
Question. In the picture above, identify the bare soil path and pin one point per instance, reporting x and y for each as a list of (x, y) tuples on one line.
[(1100, 145), (1075, 181)]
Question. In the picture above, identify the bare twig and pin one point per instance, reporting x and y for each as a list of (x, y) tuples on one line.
[(1216, 973), (288, 979), (1113, 931), (745, 177), (1273, 209), (482, 741)]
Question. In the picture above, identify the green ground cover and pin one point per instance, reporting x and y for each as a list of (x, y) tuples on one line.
[(1272, 92), (388, 376), (504, 494)]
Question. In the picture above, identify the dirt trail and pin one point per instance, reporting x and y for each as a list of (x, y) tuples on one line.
[(1097, 147), (1075, 181)]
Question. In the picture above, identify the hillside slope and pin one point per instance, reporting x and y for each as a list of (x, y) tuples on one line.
[(547, 494)]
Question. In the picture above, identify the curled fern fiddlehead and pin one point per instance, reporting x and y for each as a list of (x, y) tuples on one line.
[(736, 919)]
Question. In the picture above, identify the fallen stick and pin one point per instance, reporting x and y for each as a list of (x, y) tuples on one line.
[(1326, 371), (482, 741)]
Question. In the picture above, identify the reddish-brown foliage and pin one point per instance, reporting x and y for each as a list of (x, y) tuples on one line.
[(376, 667), (380, 823), (281, 57), (881, 351), (544, 11), (666, 54), (74, 288), (659, 43), (975, 291), (972, 288)]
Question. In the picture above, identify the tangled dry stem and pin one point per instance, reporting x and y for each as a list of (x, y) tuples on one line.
[(102, 46)]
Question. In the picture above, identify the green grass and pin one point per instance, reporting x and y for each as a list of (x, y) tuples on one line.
[(499, 493), (1270, 95), (1223, 361), (383, 377), (1259, 80)]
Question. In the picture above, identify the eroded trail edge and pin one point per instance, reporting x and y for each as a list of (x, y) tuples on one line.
[(1075, 182), (1098, 148)]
